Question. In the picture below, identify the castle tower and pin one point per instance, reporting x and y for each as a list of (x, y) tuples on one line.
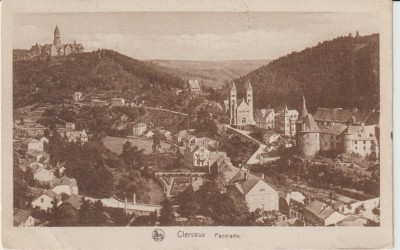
[(57, 37), (249, 99), (307, 133), (232, 102), (348, 141)]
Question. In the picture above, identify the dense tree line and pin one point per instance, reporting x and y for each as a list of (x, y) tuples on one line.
[(320, 175), (343, 72), (228, 209), (85, 163), (90, 214), (53, 80)]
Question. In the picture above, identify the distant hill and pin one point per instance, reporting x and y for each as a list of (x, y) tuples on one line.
[(343, 72), (210, 73), (56, 78)]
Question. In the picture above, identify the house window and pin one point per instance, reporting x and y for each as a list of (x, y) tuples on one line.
[(243, 120), (332, 137), (355, 142), (356, 147), (262, 206), (41, 200), (364, 142), (364, 148)]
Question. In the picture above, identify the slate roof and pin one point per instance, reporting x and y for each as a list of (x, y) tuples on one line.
[(50, 194), (309, 124), (334, 129), (75, 201), (21, 215), (261, 114), (320, 209), (29, 140), (362, 133), (141, 124), (243, 103), (245, 185), (341, 115), (71, 182)]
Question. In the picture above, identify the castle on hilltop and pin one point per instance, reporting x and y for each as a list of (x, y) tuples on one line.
[(54, 49), (241, 114)]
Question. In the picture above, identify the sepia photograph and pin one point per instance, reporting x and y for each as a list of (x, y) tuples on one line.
[(198, 119)]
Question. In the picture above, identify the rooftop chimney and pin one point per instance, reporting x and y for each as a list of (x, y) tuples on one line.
[(245, 175), (262, 176)]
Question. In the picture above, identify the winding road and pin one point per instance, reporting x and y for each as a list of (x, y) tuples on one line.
[(254, 158)]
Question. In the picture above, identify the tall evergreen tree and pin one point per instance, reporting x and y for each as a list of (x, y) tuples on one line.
[(167, 216)]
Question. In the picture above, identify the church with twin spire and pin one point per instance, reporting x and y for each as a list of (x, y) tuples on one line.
[(241, 113)]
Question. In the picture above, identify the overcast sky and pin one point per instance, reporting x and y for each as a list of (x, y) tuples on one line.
[(192, 35)]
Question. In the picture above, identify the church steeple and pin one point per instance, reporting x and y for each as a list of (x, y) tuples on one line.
[(57, 36)]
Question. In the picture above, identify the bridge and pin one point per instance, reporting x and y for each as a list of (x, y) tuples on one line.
[(128, 206)]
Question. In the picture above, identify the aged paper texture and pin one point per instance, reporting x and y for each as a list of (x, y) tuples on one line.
[(177, 124)]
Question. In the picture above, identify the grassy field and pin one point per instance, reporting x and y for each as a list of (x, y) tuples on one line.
[(115, 144)]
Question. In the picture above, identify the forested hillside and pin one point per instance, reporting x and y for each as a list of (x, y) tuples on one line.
[(54, 79), (343, 72)]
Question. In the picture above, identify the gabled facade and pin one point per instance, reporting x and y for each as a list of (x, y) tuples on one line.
[(285, 122), (265, 118), (255, 190)]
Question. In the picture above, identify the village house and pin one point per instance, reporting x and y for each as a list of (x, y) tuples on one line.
[(194, 87), (285, 122), (75, 136), (149, 134), (165, 134), (69, 126), (23, 218), (43, 175), (196, 156), (65, 185), (296, 203), (139, 128), (255, 190), (318, 213), (117, 102), (74, 200), (38, 156), (271, 137), (31, 144), (45, 200), (178, 137), (363, 209), (77, 97), (98, 103), (265, 118)]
